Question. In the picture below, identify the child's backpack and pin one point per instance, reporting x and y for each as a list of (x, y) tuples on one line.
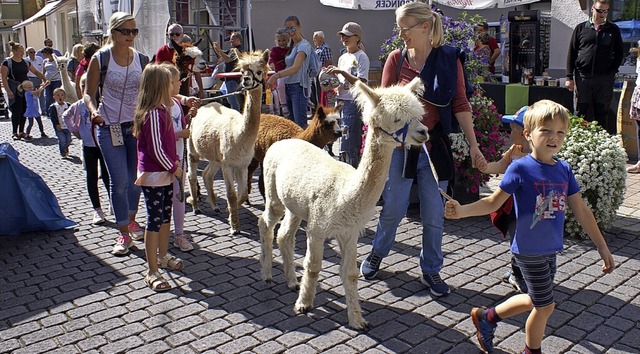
[(314, 65)]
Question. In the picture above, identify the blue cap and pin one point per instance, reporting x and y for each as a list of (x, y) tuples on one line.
[(517, 118)]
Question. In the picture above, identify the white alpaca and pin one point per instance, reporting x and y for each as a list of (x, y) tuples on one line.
[(302, 182), (226, 139), (68, 85)]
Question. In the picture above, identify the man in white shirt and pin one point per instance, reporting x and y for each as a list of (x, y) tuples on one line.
[(37, 62)]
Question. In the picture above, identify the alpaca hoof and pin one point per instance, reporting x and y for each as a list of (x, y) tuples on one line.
[(197, 211), (359, 325), (216, 209), (294, 285), (234, 232), (300, 308)]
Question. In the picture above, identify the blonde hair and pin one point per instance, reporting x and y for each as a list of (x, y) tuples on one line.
[(154, 91), (60, 89), (24, 84), (422, 12), (115, 21), (174, 73), (544, 111), (77, 49)]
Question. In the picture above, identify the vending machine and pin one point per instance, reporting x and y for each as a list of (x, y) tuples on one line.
[(529, 40)]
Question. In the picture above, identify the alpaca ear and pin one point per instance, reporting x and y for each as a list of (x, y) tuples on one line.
[(363, 90), (339, 106), (265, 56), (197, 42), (66, 55), (177, 47), (416, 86), (320, 113)]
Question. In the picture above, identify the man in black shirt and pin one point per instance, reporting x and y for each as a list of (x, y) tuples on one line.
[(595, 54)]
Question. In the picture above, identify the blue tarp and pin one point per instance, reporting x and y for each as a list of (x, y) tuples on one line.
[(629, 29), (26, 203)]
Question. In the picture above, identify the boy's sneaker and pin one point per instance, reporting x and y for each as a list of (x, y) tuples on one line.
[(484, 330), (137, 233), (44, 136), (436, 285), (370, 267), (28, 138), (183, 242), (122, 244), (98, 216), (517, 282)]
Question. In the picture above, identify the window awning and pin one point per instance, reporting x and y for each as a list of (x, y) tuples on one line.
[(45, 11)]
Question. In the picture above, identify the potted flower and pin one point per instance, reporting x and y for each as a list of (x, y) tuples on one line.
[(600, 172), (491, 140)]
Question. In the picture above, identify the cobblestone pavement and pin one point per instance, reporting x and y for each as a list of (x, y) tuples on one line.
[(64, 292)]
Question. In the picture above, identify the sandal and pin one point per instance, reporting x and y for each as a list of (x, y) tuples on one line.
[(156, 282), (170, 262), (634, 169)]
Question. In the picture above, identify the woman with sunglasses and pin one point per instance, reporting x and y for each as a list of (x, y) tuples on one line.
[(113, 118), (297, 80), (446, 106)]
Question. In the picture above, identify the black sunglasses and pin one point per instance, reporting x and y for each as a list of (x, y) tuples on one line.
[(175, 34), (126, 31), (601, 11)]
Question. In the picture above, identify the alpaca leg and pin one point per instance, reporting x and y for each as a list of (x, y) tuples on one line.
[(349, 273), (232, 199), (240, 175), (208, 176), (193, 183), (266, 224), (286, 242), (312, 266), (253, 166), (261, 182)]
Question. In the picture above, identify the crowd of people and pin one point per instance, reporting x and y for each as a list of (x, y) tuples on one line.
[(133, 123)]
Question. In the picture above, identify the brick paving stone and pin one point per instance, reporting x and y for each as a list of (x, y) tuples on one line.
[(269, 348), (19, 330), (69, 349), (210, 342), (43, 334), (121, 346), (39, 347), (70, 338), (124, 331), (102, 327), (152, 348), (239, 345), (183, 324)]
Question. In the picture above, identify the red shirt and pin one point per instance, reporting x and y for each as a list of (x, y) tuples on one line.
[(276, 57), (165, 53)]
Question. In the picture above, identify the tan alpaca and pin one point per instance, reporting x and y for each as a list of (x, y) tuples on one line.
[(68, 86), (226, 138), (324, 129), (304, 183)]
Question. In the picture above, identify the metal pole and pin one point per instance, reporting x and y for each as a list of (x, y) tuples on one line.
[(249, 35)]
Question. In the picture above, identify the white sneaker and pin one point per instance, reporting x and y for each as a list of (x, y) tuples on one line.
[(108, 212), (98, 216), (136, 232), (183, 242), (122, 244)]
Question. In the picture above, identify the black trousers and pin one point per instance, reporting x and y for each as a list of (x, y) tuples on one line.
[(92, 156), (18, 108), (596, 92)]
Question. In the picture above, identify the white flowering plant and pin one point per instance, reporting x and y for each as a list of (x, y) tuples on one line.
[(598, 162)]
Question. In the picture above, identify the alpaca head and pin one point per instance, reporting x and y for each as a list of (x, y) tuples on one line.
[(254, 68), (396, 110), (188, 57), (326, 123), (62, 62)]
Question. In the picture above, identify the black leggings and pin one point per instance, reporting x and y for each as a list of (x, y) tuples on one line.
[(158, 202), (18, 108), (91, 157), (30, 125)]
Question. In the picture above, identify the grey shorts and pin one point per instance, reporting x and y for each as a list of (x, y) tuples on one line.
[(538, 272)]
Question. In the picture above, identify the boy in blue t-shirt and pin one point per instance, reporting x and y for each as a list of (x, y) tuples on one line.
[(542, 186)]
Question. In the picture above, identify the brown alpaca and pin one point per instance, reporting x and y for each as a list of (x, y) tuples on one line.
[(324, 129), (188, 59)]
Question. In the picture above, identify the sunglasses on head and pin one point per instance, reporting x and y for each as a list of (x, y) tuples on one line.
[(175, 34), (292, 29), (601, 11), (127, 31)]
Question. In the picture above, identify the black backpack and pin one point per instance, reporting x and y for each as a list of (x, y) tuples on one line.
[(104, 56)]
